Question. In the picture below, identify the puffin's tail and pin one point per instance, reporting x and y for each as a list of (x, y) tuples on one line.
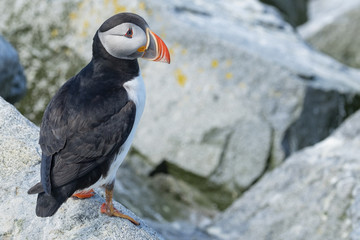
[(47, 204)]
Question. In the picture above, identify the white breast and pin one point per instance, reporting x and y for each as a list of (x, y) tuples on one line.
[(136, 92)]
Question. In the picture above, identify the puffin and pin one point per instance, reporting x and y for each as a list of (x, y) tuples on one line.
[(89, 125)]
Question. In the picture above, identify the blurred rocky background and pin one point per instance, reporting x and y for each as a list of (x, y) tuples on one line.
[(243, 135), (12, 78)]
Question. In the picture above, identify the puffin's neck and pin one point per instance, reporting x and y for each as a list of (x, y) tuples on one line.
[(117, 66)]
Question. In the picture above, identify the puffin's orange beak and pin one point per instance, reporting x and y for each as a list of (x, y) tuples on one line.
[(155, 49)]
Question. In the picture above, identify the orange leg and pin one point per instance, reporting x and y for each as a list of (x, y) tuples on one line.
[(108, 207), (84, 194)]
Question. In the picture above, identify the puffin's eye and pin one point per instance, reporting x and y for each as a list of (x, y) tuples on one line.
[(129, 33)]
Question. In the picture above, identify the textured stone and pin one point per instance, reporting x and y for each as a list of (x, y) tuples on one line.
[(245, 156), (294, 11), (313, 195), (321, 108), (19, 170), (12, 78), (333, 29)]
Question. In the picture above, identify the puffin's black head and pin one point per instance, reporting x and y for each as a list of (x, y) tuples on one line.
[(127, 36)]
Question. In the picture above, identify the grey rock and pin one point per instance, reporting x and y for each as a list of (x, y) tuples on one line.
[(314, 194), (19, 170), (325, 30), (269, 77), (182, 231), (294, 11), (321, 108), (244, 157), (12, 78), (159, 197)]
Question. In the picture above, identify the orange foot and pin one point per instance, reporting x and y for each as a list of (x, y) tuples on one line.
[(113, 212), (84, 194)]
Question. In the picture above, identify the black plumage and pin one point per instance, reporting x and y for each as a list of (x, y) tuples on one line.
[(83, 128)]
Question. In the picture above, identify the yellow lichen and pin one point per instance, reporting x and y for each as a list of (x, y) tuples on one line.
[(180, 77), (117, 7), (172, 51), (72, 16), (86, 24), (54, 33), (142, 6), (67, 52), (81, 4), (229, 75), (214, 63)]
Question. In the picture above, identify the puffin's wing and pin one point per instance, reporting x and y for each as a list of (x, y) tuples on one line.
[(86, 150), (80, 144)]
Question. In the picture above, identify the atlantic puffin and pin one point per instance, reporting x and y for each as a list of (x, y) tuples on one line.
[(89, 125)]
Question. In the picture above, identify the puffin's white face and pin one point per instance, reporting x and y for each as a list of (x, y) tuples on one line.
[(127, 36), (125, 41)]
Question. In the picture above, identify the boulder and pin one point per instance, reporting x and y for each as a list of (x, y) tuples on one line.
[(314, 194), (333, 29), (257, 80), (19, 170), (294, 11), (12, 78), (321, 108)]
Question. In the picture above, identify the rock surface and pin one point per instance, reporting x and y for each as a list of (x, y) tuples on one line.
[(321, 108), (19, 170), (315, 194), (12, 78), (254, 78), (194, 105), (294, 11), (333, 29), (39, 30)]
